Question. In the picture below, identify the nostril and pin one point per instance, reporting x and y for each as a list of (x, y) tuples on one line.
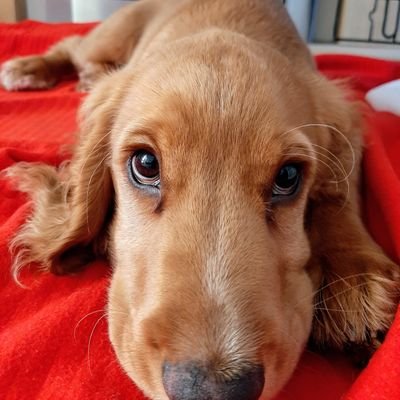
[(189, 381)]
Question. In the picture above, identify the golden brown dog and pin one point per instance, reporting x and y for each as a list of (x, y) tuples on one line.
[(219, 172)]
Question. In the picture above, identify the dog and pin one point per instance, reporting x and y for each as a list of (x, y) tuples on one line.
[(219, 172)]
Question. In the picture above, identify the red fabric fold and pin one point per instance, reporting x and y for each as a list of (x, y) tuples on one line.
[(53, 337)]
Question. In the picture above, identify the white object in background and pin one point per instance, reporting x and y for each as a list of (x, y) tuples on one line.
[(49, 10), (300, 12), (95, 10), (385, 97)]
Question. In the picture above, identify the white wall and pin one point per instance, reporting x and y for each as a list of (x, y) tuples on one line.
[(72, 10), (94, 10), (49, 10)]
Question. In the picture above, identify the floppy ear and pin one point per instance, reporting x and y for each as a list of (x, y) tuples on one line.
[(71, 204), (357, 283)]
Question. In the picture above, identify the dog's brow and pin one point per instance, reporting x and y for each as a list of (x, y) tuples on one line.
[(137, 137)]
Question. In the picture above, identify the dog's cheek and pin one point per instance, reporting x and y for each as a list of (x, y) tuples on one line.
[(133, 242), (123, 318), (291, 238), (297, 296), (118, 318), (295, 326)]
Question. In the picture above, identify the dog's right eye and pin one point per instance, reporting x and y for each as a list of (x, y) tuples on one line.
[(144, 168)]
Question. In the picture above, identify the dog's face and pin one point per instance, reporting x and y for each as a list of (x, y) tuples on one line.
[(208, 240), (208, 152)]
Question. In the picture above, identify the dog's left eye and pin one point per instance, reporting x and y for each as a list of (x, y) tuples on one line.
[(287, 181), (145, 168)]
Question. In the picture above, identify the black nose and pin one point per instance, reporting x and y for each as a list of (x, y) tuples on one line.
[(189, 381)]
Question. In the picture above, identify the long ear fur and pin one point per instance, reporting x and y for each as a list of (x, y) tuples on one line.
[(71, 204), (358, 284)]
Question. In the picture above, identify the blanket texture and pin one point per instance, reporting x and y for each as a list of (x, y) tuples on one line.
[(53, 336)]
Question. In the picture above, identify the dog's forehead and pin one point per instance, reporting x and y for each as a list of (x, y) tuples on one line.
[(198, 104)]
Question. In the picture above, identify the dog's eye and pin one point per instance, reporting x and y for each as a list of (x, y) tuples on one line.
[(287, 181), (145, 168)]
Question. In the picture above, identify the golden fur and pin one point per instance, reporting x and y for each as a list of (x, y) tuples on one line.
[(210, 270)]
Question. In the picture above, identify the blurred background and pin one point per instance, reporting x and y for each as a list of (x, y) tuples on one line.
[(370, 27)]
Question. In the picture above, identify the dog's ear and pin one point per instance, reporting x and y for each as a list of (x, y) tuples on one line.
[(357, 284), (335, 133), (72, 204)]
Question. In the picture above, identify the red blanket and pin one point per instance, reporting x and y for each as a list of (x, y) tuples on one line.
[(53, 336)]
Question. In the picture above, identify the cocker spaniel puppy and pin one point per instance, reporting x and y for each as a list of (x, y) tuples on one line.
[(219, 172)]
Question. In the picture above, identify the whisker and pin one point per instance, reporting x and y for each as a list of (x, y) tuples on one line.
[(106, 314), (353, 155), (340, 167), (83, 318), (343, 279), (90, 342), (95, 149), (311, 125), (316, 159), (331, 169), (338, 163), (341, 292), (340, 280)]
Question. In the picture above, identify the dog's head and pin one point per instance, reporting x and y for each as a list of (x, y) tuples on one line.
[(204, 153)]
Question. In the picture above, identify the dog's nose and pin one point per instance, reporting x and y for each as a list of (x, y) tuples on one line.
[(189, 381)]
